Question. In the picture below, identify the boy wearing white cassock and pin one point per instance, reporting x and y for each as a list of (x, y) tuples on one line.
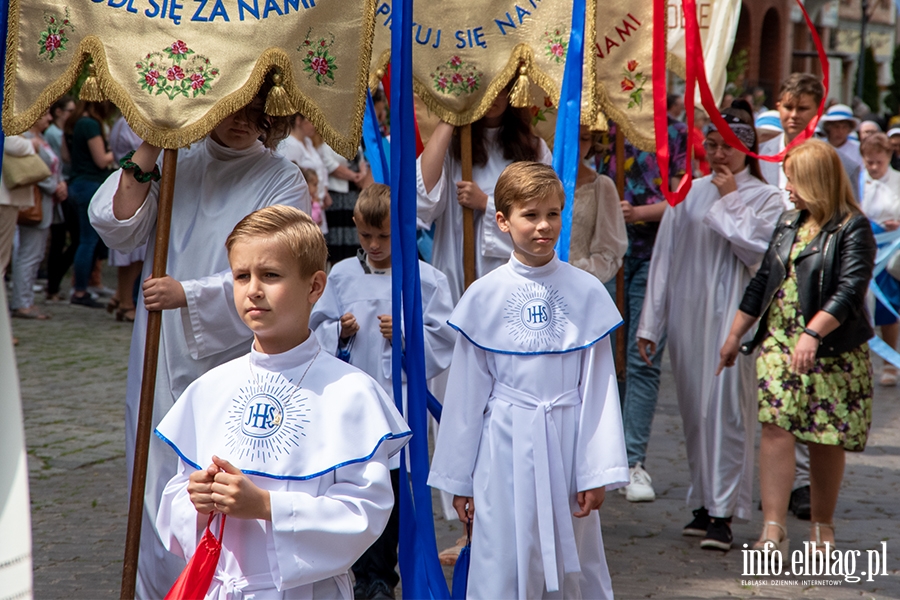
[(219, 180), (531, 433), (289, 442), (353, 321)]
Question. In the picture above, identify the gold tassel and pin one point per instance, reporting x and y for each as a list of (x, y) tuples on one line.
[(600, 122), (520, 96), (277, 102), (90, 89)]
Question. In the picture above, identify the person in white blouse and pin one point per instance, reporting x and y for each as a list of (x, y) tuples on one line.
[(881, 203)]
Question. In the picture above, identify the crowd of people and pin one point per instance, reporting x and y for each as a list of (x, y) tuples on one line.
[(758, 284)]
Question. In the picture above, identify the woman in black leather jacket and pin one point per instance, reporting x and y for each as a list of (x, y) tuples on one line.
[(815, 376)]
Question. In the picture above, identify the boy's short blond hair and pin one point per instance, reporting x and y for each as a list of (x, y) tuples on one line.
[(310, 174), (798, 84), (288, 226), (373, 206), (876, 142), (523, 181)]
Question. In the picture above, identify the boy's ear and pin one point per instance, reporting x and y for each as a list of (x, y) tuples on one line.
[(317, 286), (502, 223)]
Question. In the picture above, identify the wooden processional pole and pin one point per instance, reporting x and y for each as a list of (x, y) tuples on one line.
[(620, 276), (465, 139), (148, 381)]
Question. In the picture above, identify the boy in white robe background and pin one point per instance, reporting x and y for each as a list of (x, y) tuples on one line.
[(219, 180), (531, 432), (290, 443), (353, 321), (707, 248)]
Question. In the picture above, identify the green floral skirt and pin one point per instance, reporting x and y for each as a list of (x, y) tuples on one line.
[(832, 404)]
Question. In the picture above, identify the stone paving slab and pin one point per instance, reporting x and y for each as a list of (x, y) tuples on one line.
[(73, 371)]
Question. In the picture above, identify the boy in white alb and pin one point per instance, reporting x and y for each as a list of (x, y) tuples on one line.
[(353, 321), (290, 443), (531, 432)]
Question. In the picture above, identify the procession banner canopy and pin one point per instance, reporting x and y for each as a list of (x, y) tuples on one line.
[(465, 53), (718, 21), (177, 68)]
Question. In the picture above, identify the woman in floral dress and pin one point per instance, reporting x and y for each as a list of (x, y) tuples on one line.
[(815, 376)]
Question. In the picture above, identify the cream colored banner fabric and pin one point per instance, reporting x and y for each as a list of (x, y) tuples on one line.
[(718, 20), (466, 51), (177, 67)]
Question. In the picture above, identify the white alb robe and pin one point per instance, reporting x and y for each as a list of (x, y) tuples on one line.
[(773, 172), (303, 154), (702, 261), (313, 431), (531, 417), (215, 187), (367, 295), (441, 207)]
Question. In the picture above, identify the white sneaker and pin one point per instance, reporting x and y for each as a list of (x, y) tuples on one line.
[(640, 488)]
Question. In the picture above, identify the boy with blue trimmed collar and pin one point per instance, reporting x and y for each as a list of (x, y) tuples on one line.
[(531, 432), (290, 442)]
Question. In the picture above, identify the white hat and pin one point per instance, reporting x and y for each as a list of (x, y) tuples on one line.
[(769, 121), (839, 112), (893, 131)]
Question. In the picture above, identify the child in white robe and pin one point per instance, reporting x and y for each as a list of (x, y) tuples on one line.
[(353, 321), (289, 442), (531, 432)]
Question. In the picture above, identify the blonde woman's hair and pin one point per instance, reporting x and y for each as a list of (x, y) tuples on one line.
[(523, 181), (819, 178), (291, 228), (373, 206)]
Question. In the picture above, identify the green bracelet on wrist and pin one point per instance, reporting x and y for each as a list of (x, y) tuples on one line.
[(140, 176)]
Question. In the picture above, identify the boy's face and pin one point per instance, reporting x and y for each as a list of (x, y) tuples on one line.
[(271, 296), (376, 241), (877, 163), (238, 130), (796, 112), (534, 227)]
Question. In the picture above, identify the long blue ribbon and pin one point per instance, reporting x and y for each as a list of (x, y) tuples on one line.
[(419, 565), (568, 124), (888, 242), (375, 143)]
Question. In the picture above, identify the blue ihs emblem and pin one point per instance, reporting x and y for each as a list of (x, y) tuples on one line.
[(267, 419), (536, 315)]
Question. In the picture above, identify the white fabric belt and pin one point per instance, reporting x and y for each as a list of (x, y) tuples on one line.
[(550, 487), (233, 588)]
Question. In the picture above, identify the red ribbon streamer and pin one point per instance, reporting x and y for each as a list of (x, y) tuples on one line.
[(695, 72)]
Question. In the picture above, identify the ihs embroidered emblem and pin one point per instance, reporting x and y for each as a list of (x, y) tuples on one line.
[(266, 419), (535, 315)]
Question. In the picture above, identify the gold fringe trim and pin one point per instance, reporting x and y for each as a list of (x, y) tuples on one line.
[(15, 122), (519, 95), (277, 102), (90, 89), (601, 123), (676, 65)]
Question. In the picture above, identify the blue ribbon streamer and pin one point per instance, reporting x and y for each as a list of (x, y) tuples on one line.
[(568, 124), (420, 568), (888, 242), (374, 144)]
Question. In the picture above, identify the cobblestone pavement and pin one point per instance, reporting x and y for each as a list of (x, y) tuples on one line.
[(73, 370)]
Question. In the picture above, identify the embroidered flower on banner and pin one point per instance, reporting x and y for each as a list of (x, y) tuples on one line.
[(54, 38), (175, 71), (540, 113), (633, 82), (318, 61), (455, 77), (556, 43)]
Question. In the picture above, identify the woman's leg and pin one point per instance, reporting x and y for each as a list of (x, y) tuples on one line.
[(776, 475), (826, 471), (26, 260), (82, 192)]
